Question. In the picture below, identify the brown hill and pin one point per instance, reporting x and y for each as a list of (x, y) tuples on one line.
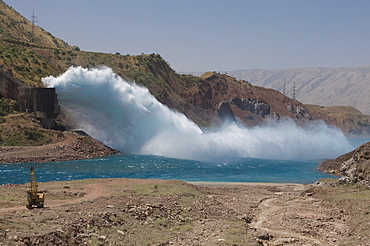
[(206, 100)]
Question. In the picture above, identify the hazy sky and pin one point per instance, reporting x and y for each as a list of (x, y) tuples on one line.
[(202, 35)]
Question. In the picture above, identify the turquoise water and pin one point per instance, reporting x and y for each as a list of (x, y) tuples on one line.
[(156, 167)]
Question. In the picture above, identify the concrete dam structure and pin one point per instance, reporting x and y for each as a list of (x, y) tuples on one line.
[(42, 101)]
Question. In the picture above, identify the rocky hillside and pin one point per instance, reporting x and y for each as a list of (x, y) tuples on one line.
[(323, 86), (354, 166), (239, 100), (347, 118), (206, 100), (221, 97), (357, 168)]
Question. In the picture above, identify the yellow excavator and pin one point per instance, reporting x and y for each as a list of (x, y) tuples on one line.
[(34, 198)]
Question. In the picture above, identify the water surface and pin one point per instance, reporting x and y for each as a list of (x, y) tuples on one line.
[(156, 167)]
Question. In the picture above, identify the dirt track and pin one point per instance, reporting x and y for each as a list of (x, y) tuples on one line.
[(283, 235)]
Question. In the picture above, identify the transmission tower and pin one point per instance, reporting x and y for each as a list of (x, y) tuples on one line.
[(34, 21), (294, 92), (284, 90)]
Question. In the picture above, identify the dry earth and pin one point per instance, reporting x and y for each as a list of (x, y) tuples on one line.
[(158, 212)]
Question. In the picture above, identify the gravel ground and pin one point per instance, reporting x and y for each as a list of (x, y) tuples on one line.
[(158, 212)]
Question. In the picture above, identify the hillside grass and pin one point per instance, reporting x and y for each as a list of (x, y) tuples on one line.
[(14, 26), (22, 129), (15, 128)]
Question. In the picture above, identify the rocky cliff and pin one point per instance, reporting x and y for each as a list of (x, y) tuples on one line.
[(221, 97), (354, 167), (357, 168)]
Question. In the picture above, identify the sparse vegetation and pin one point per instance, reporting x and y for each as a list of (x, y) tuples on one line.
[(236, 234), (20, 130), (33, 134), (23, 136), (8, 106), (167, 189)]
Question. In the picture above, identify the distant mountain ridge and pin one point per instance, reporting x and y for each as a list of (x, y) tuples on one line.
[(347, 86)]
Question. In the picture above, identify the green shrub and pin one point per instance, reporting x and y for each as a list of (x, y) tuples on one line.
[(8, 106), (12, 140), (33, 134)]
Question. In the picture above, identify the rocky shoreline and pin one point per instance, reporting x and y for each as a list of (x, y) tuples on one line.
[(354, 167)]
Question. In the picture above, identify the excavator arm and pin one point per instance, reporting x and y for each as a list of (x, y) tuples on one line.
[(34, 197)]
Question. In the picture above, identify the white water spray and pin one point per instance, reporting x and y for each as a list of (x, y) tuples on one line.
[(128, 118)]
